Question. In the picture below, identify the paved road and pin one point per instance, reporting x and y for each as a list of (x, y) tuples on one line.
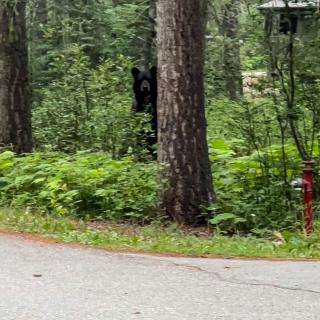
[(40, 281)]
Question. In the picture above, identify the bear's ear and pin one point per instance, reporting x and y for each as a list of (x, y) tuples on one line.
[(153, 71), (135, 71)]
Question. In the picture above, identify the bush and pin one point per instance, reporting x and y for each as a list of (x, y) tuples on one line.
[(84, 184), (87, 108), (254, 192)]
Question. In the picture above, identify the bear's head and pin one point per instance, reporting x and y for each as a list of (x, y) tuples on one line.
[(145, 86)]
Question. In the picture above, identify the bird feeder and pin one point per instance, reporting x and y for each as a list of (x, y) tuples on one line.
[(290, 17)]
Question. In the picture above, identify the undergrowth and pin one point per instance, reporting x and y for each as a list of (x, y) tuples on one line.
[(158, 238), (82, 185)]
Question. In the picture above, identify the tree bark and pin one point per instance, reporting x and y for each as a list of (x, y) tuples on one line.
[(15, 93), (231, 52), (182, 144)]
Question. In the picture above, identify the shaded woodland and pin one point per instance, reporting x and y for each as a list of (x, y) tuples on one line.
[(249, 114)]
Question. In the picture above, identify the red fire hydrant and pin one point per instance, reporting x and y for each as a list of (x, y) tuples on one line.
[(308, 195)]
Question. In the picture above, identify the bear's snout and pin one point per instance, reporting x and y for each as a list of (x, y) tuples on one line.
[(145, 86)]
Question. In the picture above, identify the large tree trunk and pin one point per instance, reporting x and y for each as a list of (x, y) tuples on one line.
[(182, 144), (15, 97)]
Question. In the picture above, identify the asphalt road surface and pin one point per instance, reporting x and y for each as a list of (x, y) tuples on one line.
[(41, 281)]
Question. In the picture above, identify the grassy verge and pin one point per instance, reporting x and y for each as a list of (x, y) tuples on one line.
[(159, 239)]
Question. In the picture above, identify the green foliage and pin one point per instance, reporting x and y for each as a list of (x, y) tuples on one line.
[(254, 192), (102, 29), (252, 38), (252, 169), (163, 239), (85, 184), (81, 53), (130, 26), (227, 221), (86, 108)]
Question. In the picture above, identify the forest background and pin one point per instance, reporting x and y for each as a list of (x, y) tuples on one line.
[(88, 160)]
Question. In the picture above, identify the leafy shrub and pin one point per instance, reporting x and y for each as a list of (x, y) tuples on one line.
[(253, 191), (87, 108), (83, 184)]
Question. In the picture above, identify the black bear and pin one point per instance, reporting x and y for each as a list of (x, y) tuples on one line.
[(145, 92)]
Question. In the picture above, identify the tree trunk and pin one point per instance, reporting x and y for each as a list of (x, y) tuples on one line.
[(15, 93), (231, 52), (182, 144)]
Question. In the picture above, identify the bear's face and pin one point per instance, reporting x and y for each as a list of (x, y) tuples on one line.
[(145, 85)]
